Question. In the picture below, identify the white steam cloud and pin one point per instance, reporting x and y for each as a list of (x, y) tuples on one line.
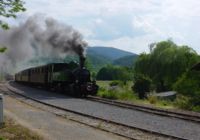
[(38, 37)]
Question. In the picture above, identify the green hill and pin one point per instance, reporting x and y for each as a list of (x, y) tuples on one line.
[(97, 61), (126, 60), (108, 52), (98, 57)]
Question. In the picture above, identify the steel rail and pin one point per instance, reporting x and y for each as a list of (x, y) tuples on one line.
[(153, 110), (98, 118), (55, 107)]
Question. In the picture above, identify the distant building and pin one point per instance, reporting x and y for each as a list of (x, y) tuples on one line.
[(196, 67)]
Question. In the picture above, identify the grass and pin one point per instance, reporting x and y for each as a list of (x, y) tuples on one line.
[(186, 103), (120, 92), (13, 131), (125, 93)]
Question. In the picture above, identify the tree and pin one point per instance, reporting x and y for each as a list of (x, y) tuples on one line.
[(114, 73), (9, 8), (3, 49), (189, 85), (165, 63)]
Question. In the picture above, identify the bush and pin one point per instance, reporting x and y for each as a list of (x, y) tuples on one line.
[(102, 89), (114, 83), (196, 108), (141, 85), (183, 102), (152, 99), (126, 95), (116, 91), (189, 86), (108, 94)]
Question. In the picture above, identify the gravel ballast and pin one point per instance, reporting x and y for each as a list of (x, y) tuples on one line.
[(170, 126), (50, 126)]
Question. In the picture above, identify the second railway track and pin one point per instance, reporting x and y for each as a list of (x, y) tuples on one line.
[(195, 117)]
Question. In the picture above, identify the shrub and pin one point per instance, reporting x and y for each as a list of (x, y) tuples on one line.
[(109, 95), (102, 89), (196, 108), (2, 138), (141, 85), (114, 83), (183, 102), (189, 86), (126, 95), (152, 99)]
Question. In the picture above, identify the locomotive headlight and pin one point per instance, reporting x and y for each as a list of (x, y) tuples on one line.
[(89, 87)]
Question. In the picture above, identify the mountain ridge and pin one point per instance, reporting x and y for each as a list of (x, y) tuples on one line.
[(99, 56), (109, 52)]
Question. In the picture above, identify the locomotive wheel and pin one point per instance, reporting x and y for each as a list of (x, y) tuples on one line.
[(67, 89)]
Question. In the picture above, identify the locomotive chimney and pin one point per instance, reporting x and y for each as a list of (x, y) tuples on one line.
[(81, 61)]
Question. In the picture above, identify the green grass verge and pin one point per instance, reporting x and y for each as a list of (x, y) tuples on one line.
[(13, 131), (125, 93)]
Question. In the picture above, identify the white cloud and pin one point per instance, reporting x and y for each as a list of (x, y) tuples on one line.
[(99, 21), (86, 32), (136, 44), (151, 20), (145, 25)]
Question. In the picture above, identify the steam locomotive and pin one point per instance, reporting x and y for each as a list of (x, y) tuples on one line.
[(71, 78)]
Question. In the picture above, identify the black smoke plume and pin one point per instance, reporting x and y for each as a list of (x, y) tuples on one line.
[(39, 37)]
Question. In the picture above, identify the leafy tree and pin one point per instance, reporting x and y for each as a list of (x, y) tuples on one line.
[(165, 63), (93, 75), (114, 73), (3, 49), (9, 8), (189, 85)]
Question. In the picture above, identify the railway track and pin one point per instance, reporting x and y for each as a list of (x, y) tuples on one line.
[(13, 94), (110, 102), (195, 117)]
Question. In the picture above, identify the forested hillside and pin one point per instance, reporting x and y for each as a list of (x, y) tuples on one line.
[(98, 57), (108, 52), (127, 61)]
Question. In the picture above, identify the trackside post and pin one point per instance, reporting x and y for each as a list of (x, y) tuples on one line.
[(1, 110)]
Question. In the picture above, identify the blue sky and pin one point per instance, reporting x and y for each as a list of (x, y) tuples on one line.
[(125, 24)]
